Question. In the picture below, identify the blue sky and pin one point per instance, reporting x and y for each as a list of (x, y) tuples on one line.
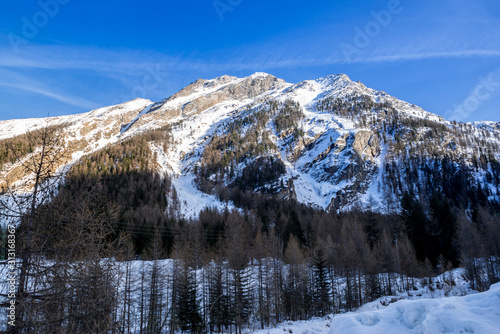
[(62, 57)]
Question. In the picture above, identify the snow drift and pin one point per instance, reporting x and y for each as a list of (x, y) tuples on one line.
[(475, 313)]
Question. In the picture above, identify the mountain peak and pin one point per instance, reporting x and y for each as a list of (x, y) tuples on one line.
[(260, 75), (334, 78)]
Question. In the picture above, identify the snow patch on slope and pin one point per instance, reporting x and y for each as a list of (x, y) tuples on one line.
[(143, 112), (190, 136)]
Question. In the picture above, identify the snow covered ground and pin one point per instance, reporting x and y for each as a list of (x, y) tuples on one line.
[(475, 313), (425, 310)]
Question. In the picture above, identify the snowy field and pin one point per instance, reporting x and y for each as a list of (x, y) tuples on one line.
[(476, 313)]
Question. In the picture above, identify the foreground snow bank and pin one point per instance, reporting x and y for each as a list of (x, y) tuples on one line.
[(476, 313)]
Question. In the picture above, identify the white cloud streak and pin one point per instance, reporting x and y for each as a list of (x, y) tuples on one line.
[(127, 66), (16, 81), (128, 63), (72, 101)]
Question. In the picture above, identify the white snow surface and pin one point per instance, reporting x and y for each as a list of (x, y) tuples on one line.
[(144, 112), (15, 127), (475, 313)]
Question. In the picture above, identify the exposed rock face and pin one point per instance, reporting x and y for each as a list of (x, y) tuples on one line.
[(366, 144), (301, 147), (365, 148), (341, 143), (205, 94), (360, 181), (202, 84), (288, 192), (349, 160), (254, 86), (245, 89), (336, 147)]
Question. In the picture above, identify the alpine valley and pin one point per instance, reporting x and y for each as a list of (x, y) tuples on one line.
[(242, 204)]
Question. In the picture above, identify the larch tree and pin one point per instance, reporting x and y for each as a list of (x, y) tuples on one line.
[(20, 207), (237, 254)]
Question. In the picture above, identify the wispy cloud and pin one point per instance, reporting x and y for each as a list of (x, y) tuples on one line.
[(100, 60), (267, 63), (125, 64), (72, 101), (20, 82), (411, 56), (125, 70)]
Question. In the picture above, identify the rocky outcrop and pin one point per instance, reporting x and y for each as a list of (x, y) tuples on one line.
[(303, 144), (336, 147), (357, 169), (288, 192), (202, 84), (360, 181), (366, 145), (341, 143), (225, 88), (204, 94), (245, 89)]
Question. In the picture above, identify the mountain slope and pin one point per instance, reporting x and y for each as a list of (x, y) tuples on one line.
[(328, 143)]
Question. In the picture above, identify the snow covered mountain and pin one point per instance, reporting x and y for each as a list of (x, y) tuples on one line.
[(328, 143)]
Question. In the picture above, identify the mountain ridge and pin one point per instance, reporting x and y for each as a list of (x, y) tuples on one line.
[(337, 139)]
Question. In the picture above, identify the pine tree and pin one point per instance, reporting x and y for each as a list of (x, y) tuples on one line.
[(416, 223), (155, 308), (237, 250), (296, 296), (219, 307), (321, 285), (186, 303), (188, 306), (446, 220)]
